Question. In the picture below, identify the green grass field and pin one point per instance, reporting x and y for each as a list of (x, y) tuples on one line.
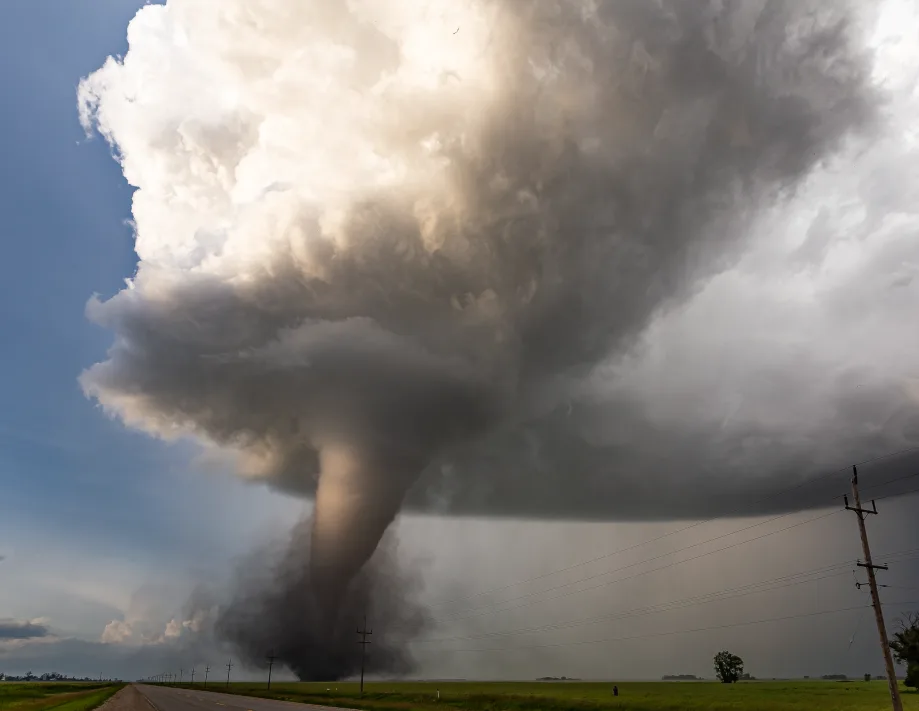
[(583, 696), (58, 695)]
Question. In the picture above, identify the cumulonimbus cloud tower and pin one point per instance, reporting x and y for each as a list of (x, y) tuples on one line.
[(381, 242)]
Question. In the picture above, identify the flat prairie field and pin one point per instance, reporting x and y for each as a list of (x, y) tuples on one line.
[(584, 696), (57, 695)]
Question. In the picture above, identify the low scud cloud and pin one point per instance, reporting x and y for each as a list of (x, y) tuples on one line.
[(581, 259), (23, 629)]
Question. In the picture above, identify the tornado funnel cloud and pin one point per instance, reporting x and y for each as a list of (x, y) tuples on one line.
[(355, 503), (273, 607)]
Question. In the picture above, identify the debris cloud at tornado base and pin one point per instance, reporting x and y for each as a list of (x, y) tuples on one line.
[(418, 253), (273, 611)]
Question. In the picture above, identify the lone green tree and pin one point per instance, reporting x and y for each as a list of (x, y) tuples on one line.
[(728, 667), (905, 646)]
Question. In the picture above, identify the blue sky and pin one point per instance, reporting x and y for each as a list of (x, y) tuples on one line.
[(64, 237), (76, 483)]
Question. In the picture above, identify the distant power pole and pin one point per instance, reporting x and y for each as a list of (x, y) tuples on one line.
[(206, 670), (229, 666), (363, 641), (870, 567), (180, 674), (271, 658), (192, 675)]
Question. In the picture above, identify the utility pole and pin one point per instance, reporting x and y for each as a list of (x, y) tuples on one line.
[(229, 666), (192, 675), (271, 658), (870, 567), (363, 641), (206, 670), (180, 674)]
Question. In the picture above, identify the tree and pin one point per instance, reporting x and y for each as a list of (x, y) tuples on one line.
[(905, 647), (728, 667)]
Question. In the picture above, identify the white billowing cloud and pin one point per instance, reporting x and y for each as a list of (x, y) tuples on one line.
[(149, 619), (173, 629), (810, 324), (117, 632), (347, 219)]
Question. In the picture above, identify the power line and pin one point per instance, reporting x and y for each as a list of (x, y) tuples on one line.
[(271, 658), (890, 481), (808, 482), (717, 596), (870, 567), (705, 598), (898, 494), (485, 611), (675, 632), (364, 632)]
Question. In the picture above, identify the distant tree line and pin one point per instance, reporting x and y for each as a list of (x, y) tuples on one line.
[(47, 676), (681, 677)]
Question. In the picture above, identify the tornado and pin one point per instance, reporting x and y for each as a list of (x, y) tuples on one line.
[(386, 250)]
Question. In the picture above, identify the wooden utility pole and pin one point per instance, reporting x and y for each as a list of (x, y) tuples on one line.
[(870, 567), (271, 658), (206, 670), (363, 641), (192, 675), (229, 666)]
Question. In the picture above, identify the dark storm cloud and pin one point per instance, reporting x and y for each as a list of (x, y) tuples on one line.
[(271, 612), (22, 629), (433, 333)]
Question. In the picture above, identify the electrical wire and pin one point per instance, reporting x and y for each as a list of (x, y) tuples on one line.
[(674, 532), (488, 611), (676, 632), (715, 596)]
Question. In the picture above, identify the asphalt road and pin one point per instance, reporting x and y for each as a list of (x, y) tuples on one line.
[(166, 699)]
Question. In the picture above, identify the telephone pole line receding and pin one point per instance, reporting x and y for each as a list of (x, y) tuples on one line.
[(271, 658), (363, 641), (870, 567), (229, 666), (206, 670)]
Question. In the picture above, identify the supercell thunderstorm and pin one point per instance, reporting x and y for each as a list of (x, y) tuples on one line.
[(445, 255)]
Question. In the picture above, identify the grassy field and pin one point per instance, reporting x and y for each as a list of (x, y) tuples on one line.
[(58, 695), (583, 696)]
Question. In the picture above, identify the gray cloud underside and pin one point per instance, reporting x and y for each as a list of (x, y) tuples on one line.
[(20, 629), (597, 195)]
